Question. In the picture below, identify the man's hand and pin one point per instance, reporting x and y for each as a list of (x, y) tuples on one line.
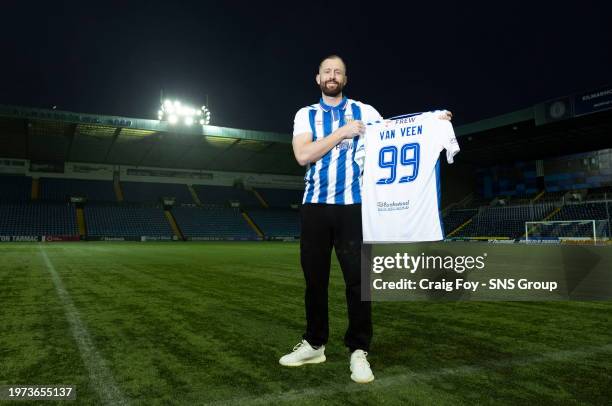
[(353, 129), (446, 115)]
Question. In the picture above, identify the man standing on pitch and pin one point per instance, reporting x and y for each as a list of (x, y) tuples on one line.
[(324, 138)]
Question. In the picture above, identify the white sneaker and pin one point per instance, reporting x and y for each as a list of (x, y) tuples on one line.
[(302, 354), (360, 367)]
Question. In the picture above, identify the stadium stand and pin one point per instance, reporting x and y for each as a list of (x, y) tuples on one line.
[(552, 196), (60, 189), (114, 220), (521, 199), (506, 222), (38, 218), (583, 211), (580, 211), (281, 198), (15, 188), (147, 192), (223, 195), (104, 218), (476, 202), (277, 223), (457, 217), (599, 193), (212, 223)]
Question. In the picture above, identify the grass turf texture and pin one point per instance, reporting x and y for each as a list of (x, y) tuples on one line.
[(197, 323)]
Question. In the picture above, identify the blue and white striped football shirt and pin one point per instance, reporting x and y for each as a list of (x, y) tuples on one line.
[(333, 179)]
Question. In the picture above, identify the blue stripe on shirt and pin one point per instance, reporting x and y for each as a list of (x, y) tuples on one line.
[(323, 173), (341, 167), (311, 171)]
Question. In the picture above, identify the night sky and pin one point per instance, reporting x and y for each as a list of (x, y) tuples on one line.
[(256, 61)]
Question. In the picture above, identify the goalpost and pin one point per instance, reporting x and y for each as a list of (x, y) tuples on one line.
[(570, 230)]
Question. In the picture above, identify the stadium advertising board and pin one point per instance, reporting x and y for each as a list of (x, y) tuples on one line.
[(593, 101), (50, 167), (60, 238), (578, 104), (39, 238), (10, 166), (20, 238)]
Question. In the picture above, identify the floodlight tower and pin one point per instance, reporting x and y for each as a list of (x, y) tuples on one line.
[(177, 113)]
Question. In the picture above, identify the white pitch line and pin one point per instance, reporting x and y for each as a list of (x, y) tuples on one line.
[(100, 376), (404, 379)]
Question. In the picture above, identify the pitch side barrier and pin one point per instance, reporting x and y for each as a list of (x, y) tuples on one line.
[(38, 238), (223, 239), (463, 271), (47, 238), (130, 238), (531, 240)]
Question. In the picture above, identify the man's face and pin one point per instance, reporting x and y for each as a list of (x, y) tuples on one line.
[(332, 77)]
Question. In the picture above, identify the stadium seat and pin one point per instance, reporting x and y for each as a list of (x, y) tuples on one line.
[(277, 223), (210, 223), (38, 218), (504, 221), (281, 198), (15, 188), (125, 220)]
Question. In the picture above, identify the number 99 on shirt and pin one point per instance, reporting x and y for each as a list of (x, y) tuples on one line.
[(408, 157)]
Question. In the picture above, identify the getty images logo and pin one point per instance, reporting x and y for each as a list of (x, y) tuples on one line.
[(412, 264)]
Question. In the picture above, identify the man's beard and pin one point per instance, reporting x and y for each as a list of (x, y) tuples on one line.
[(331, 92)]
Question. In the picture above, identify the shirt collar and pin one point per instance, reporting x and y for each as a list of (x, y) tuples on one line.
[(340, 106)]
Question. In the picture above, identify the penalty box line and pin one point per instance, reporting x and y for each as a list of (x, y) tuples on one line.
[(99, 374), (407, 378)]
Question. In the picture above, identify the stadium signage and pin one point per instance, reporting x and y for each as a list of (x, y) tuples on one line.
[(19, 238), (112, 239), (594, 101), (66, 116), (58, 238), (574, 105), (154, 238)]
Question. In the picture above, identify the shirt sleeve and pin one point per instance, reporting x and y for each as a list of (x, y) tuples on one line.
[(447, 139), (301, 123)]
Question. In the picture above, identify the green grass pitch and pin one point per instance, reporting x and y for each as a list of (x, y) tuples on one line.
[(199, 323)]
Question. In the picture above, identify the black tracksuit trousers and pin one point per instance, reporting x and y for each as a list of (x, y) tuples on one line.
[(327, 226)]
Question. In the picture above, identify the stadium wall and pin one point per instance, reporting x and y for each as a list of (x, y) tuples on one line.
[(93, 171), (214, 178), (10, 166)]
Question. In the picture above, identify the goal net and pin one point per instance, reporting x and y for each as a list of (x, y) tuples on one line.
[(578, 231)]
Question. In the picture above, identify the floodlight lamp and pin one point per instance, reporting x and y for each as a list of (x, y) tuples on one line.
[(174, 112)]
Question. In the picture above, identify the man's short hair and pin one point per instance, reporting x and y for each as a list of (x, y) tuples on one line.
[(333, 56)]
